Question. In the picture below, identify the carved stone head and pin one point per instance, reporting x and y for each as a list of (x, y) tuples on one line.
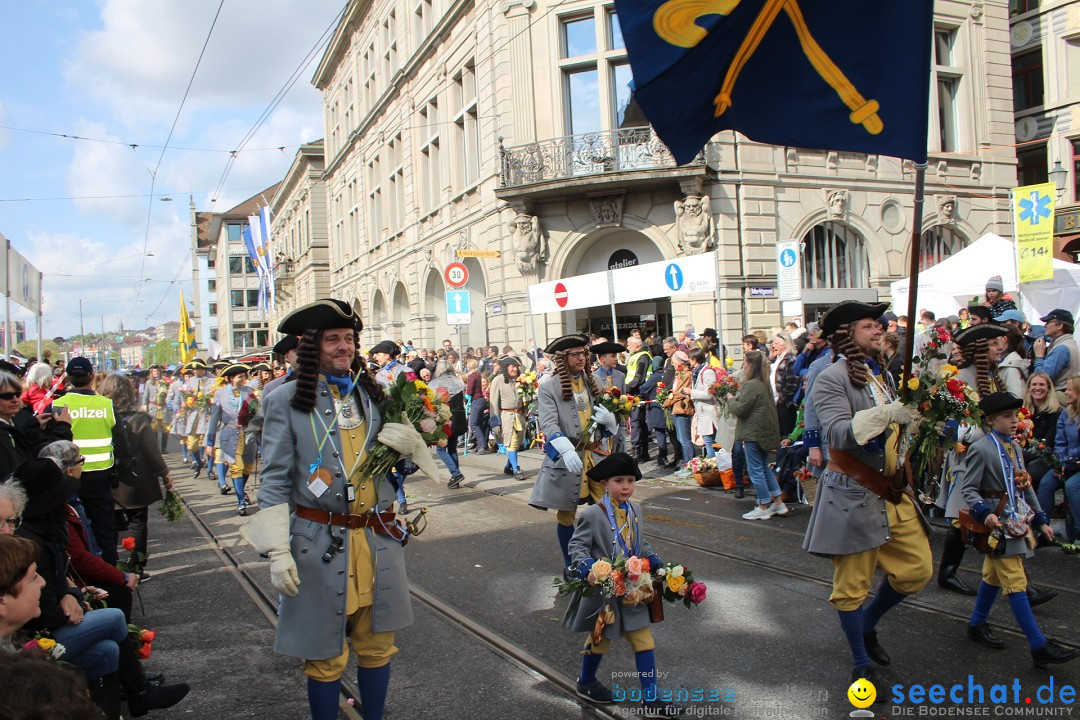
[(837, 202)]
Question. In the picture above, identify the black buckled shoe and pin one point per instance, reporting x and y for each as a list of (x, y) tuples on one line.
[(508, 470), (949, 580), (595, 692), (1038, 596), (519, 475), (984, 635), (874, 649), (1052, 652)]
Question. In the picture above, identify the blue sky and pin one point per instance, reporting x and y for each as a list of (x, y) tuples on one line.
[(116, 70)]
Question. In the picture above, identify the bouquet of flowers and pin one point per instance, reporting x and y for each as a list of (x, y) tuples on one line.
[(425, 408), (663, 392), (43, 646), (142, 639), (248, 410), (171, 507), (625, 578), (527, 383), (620, 405), (725, 386), (700, 465), (678, 585)]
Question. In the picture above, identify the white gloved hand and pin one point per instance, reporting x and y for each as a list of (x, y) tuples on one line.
[(568, 454), (605, 417), (868, 424), (404, 438), (268, 532)]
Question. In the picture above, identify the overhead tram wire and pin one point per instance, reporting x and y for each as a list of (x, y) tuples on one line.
[(172, 129)]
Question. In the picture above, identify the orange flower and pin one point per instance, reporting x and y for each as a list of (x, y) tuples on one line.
[(144, 651), (428, 405), (148, 636), (128, 543)]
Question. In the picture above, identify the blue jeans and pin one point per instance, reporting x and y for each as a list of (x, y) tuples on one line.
[(1048, 488), (682, 432), (710, 451), (94, 644), (449, 455), (738, 462), (765, 485)]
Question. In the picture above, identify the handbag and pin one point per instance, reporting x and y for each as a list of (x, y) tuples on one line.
[(978, 535)]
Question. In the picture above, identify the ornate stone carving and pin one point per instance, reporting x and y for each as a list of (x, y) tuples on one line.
[(694, 220), (530, 247), (607, 209), (836, 202), (946, 208)]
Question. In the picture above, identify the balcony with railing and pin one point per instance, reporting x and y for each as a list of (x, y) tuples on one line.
[(634, 154)]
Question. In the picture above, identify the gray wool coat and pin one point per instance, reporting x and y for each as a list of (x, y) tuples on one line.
[(556, 488), (847, 518), (222, 432), (983, 474), (312, 624), (594, 538)]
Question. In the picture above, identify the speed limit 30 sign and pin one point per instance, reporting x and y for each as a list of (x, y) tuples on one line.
[(456, 275)]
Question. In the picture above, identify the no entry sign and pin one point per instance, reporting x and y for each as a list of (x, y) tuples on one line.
[(561, 296)]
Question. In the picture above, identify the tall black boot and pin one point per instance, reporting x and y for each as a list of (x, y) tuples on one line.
[(952, 554), (164, 443), (105, 692), (142, 696)]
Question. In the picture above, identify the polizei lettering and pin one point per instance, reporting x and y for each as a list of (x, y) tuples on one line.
[(85, 413)]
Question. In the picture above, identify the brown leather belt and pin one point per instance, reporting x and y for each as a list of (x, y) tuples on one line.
[(382, 523), (881, 485)]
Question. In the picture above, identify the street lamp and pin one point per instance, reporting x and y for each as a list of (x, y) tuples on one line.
[(1059, 176)]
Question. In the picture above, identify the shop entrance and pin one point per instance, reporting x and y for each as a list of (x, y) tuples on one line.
[(647, 316)]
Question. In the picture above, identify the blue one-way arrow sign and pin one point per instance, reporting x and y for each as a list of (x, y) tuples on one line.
[(458, 307), (673, 276)]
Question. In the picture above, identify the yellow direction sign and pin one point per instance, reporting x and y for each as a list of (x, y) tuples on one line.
[(1033, 220), (478, 253)]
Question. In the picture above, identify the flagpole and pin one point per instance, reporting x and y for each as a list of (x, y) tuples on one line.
[(913, 275)]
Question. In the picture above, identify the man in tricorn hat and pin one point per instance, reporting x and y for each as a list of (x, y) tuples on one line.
[(607, 374), (863, 516), (318, 431), (285, 350)]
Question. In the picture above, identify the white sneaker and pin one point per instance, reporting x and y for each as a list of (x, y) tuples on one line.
[(757, 514), (778, 508), (683, 473)]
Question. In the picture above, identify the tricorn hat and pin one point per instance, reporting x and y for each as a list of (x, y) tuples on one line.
[(983, 331), (197, 364), (507, 361), (234, 369), (286, 344), (325, 314), (47, 486), (606, 348), (260, 367), (566, 342), (615, 464), (999, 402), (387, 346), (849, 311)]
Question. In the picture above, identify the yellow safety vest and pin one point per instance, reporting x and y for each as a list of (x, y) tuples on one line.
[(92, 422), (632, 366)]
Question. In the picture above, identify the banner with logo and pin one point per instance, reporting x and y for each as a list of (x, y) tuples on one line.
[(24, 281), (1033, 223)]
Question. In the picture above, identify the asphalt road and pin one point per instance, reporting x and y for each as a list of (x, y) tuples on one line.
[(488, 642)]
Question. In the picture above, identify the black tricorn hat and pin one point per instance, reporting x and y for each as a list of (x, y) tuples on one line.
[(566, 342), (606, 348), (849, 311), (325, 314), (983, 331), (387, 346), (197, 364), (47, 486), (999, 402), (234, 369), (287, 343), (615, 464), (505, 362), (261, 367)]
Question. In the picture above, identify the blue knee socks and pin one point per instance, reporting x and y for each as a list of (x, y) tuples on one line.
[(221, 479), (646, 667), (323, 699), (852, 623), (238, 486), (373, 683), (564, 533), (511, 456), (886, 598), (983, 602), (589, 664), (1021, 610)]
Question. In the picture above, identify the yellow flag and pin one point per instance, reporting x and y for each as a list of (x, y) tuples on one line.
[(186, 340), (1033, 220)]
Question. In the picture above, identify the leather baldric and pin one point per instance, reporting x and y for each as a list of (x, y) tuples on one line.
[(382, 523), (891, 489)]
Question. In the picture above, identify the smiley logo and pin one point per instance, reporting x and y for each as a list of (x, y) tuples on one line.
[(862, 693)]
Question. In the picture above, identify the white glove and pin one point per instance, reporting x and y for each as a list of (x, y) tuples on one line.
[(868, 424), (403, 437), (268, 532), (605, 417), (568, 454)]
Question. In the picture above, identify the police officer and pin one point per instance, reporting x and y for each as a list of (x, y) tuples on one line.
[(93, 429), (864, 517), (319, 430)]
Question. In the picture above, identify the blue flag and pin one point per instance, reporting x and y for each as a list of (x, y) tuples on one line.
[(831, 74)]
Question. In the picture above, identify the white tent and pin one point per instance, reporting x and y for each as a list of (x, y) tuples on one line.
[(953, 282)]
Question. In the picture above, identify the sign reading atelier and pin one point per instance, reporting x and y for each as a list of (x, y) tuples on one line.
[(1033, 223)]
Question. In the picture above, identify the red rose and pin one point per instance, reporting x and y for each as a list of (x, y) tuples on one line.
[(447, 429), (697, 592), (128, 543), (143, 652), (148, 636), (615, 392)]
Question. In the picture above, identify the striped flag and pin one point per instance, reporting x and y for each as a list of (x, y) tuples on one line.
[(189, 348), (264, 214)]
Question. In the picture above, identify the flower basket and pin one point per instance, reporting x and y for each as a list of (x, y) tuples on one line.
[(809, 488), (709, 478)]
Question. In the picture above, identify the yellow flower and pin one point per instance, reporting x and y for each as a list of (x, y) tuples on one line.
[(949, 369), (420, 384), (601, 569), (46, 643), (913, 383), (674, 582)]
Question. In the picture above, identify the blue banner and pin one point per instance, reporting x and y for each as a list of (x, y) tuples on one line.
[(837, 74)]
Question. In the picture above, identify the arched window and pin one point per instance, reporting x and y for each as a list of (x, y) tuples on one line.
[(834, 256), (939, 243)]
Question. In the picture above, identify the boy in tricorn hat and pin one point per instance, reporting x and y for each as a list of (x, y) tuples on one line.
[(998, 491)]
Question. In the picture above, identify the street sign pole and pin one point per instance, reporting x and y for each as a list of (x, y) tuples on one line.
[(614, 321)]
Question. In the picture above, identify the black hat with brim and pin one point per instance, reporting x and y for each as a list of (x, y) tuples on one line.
[(850, 311), (984, 331), (286, 344), (999, 402), (508, 361), (387, 346), (614, 465), (47, 486), (234, 369), (326, 314), (260, 367), (1060, 315), (709, 332), (197, 364), (566, 342), (606, 348)]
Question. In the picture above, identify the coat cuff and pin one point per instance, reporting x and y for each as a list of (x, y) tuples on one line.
[(1039, 520), (812, 438), (583, 567), (980, 510)]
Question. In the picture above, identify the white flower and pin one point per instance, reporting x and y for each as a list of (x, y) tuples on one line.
[(677, 571), (57, 651)]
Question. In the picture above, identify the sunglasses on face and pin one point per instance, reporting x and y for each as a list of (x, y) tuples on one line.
[(9, 395)]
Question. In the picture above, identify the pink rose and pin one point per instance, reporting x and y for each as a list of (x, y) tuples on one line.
[(683, 590), (697, 592), (633, 567), (427, 425)]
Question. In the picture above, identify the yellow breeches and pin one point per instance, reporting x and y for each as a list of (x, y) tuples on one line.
[(905, 559), (640, 640), (372, 649), (194, 442), (1006, 573)]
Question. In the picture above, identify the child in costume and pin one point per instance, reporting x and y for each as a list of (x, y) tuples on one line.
[(612, 527)]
